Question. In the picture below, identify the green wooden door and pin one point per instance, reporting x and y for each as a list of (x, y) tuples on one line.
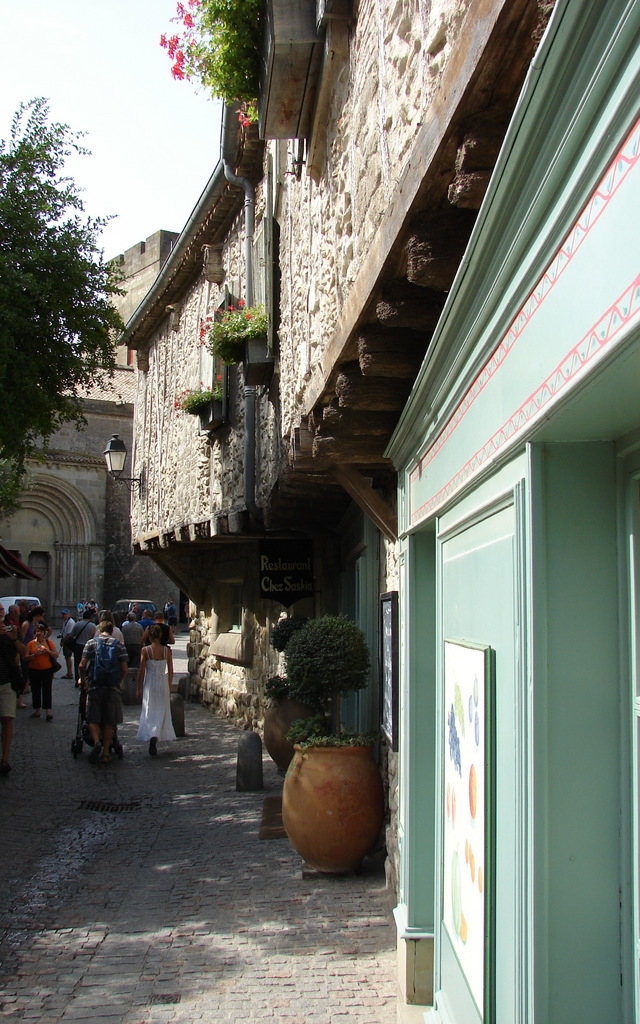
[(478, 951)]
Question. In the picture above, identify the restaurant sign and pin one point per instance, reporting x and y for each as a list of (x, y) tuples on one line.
[(286, 570)]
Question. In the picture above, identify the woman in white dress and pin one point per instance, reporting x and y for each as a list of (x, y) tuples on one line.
[(155, 676)]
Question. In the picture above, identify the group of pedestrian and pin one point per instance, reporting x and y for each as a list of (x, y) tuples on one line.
[(98, 655)]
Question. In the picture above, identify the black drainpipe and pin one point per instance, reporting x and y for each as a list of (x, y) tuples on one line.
[(229, 142)]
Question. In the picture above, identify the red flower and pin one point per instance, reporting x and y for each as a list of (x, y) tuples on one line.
[(188, 20), (163, 41), (241, 304)]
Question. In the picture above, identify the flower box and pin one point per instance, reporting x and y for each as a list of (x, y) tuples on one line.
[(291, 66), (212, 416), (258, 362)]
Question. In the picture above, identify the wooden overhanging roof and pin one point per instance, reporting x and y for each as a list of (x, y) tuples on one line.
[(368, 368), (359, 389)]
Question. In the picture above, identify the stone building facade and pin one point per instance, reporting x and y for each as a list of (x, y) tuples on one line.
[(73, 523), (348, 219)]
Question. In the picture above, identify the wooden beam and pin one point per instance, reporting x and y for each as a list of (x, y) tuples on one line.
[(370, 393), (362, 450), (341, 422), (435, 247), (389, 353), (409, 306), (368, 500), (467, 190)]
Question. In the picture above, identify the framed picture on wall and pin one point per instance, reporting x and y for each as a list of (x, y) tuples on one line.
[(469, 815), (389, 666)]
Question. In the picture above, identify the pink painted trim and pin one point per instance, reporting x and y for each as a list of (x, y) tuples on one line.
[(620, 315), (626, 158)]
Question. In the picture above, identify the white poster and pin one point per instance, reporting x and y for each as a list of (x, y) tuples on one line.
[(464, 810)]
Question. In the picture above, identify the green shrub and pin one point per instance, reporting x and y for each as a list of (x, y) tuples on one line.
[(282, 632), (327, 659)]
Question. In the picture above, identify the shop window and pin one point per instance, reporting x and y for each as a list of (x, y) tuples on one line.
[(235, 636)]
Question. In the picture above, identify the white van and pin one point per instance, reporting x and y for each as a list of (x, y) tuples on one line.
[(6, 601)]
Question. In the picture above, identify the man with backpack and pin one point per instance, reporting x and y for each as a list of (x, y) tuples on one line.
[(102, 668)]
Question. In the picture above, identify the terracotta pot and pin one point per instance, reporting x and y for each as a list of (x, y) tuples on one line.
[(277, 722), (333, 805)]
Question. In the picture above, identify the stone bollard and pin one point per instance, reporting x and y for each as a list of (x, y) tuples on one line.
[(183, 687), (177, 714), (249, 766), (128, 688)]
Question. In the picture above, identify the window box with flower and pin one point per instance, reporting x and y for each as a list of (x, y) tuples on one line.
[(206, 403), (239, 335)]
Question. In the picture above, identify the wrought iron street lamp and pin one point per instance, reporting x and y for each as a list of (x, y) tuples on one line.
[(115, 455)]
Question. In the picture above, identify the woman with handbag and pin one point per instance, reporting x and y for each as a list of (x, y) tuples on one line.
[(41, 660), (10, 683)]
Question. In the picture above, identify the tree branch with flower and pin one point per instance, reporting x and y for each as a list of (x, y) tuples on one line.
[(218, 44)]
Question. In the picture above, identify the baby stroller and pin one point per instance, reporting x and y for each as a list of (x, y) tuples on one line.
[(83, 733)]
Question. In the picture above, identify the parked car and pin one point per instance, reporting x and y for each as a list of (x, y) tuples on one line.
[(6, 601), (125, 605)]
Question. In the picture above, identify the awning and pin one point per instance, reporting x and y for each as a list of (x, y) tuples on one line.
[(12, 566)]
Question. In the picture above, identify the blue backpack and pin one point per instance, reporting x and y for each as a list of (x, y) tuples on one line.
[(106, 663)]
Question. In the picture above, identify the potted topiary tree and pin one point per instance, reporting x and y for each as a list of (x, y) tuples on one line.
[(332, 800)]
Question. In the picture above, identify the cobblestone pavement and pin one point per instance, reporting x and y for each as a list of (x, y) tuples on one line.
[(168, 907)]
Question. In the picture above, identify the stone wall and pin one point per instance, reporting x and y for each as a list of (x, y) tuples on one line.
[(140, 265), (190, 476), (397, 53)]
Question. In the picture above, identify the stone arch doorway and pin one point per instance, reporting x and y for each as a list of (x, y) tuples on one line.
[(58, 534)]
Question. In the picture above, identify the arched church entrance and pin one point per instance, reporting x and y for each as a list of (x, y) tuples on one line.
[(59, 536)]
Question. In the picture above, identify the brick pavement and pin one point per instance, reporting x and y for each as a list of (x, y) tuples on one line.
[(171, 908)]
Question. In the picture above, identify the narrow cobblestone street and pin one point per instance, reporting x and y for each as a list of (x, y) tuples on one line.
[(140, 891)]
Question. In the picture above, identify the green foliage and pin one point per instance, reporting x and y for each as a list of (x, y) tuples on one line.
[(11, 482), (276, 689), (326, 659), (304, 729), (196, 402), (57, 323), (283, 630), (315, 732), (220, 46), (228, 334)]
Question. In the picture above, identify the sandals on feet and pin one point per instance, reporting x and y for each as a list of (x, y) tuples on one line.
[(34, 714), (105, 759), (94, 756), (49, 718)]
